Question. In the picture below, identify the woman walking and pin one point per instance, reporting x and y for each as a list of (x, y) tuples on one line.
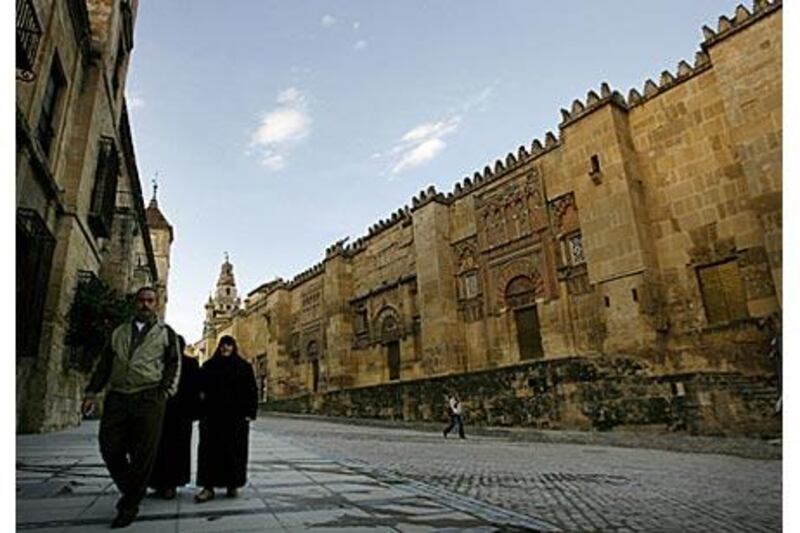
[(174, 459), (230, 401)]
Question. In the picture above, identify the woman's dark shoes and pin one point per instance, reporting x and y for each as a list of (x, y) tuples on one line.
[(232, 492), (204, 495), (124, 517)]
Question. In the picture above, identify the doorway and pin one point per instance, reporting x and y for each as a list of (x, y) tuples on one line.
[(393, 351), (529, 338)]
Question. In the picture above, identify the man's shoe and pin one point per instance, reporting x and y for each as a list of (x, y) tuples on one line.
[(204, 495), (168, 494), (124, 517), (231, 493)]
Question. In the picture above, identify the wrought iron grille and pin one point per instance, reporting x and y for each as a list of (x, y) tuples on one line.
[(104, 195), (35, 245), (29, 33)]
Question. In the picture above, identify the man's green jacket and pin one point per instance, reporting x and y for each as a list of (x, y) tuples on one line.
[(137, 360)]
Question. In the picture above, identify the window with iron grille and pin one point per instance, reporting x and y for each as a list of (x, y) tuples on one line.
[(48, 117), (35, 245), (723, 292), (104, 194), (468, 286), (575, 249), (29, 33)]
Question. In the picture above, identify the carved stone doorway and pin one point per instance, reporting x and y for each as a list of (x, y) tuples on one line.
[(521, 297), (315, 374), (393, 354)]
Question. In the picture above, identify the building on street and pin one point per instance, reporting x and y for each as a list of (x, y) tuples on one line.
[(616, 274), (81, 220)]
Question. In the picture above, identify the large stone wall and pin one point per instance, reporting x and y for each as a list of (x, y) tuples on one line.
[(648, 229)]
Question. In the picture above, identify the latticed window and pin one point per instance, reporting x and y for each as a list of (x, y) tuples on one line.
[(48, 119), (723, 292), (468, 286), (575, 250), (29, 33), (104, 195), (35, 245)]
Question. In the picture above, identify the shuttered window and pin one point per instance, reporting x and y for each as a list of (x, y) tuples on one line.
[(104, 194)]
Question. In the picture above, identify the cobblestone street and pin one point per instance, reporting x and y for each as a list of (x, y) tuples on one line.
[(577, 487), (308, 474)]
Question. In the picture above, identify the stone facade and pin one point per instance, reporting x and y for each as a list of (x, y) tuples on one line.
[(648, 230), (80, 210)]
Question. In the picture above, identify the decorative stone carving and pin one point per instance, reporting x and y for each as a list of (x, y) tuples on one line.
[(565, 213), (511, 211)]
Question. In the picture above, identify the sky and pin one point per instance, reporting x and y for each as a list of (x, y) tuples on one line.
[(277, 128)]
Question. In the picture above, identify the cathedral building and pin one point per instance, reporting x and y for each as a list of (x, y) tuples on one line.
[(617, 274)]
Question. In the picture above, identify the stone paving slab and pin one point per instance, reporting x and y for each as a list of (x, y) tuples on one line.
[(63, 486)]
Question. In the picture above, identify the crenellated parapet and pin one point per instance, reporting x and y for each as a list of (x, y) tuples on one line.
[(725, 27), (594, 101), (427, 196), (742, 18), (306, 275), (354, 247), (479, 179)]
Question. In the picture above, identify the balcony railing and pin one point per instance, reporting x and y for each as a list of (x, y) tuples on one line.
[(29, 33)]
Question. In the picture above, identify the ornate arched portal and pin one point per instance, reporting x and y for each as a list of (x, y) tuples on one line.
[(520, 297)]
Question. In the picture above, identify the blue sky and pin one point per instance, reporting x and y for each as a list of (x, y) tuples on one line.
[(278, 128)]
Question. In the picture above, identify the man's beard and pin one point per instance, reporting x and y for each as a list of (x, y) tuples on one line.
[(145, 315)]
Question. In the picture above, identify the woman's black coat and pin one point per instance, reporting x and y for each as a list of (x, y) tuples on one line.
[(230, 397), (174, 459)]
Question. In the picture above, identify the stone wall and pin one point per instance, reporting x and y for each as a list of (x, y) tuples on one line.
[(571, 393)]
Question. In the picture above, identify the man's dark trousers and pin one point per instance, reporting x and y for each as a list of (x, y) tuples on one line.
[(129, 433)]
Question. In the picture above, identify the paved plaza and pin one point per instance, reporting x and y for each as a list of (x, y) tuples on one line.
[(308, 474)]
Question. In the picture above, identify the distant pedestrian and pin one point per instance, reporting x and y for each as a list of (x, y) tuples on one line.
[(141, 365), (173, 463), (230, 401), (456, 416)]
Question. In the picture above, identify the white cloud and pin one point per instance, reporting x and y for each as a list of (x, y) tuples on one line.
[(360, 45), (420, 144), (356, 25), (134, 100), (282, 128), (328, 20), (274, 161), (420, 154)]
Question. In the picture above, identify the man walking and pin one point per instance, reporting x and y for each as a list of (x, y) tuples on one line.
[(141, 366), (456, 416)]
